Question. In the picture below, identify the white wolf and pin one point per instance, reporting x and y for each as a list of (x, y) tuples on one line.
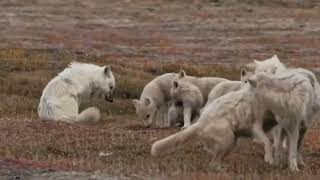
[(190, 96), (155, 98), (220, 124), (153, 103), (293, 96), (63, 95), (271, 66), (222, 89), (203, 85)]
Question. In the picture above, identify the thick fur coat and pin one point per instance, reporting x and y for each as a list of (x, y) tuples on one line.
[(75, 85)]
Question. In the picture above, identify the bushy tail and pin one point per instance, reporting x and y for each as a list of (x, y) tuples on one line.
[(172, 142), (89, 115), (45, 111)]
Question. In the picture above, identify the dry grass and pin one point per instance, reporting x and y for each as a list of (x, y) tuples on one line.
[(29, 142), (274, 3)]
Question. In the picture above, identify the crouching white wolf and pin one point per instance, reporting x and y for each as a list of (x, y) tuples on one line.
[(153, 105), (231, 116), (63, 95), (293, 96)]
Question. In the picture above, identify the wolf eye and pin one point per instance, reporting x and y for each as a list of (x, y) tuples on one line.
[(147, 116), (111, 87), (245, 81)]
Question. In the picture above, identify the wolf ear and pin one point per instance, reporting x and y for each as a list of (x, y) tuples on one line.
[(175, 84), (243, 71), (181, 74), (107, 71), (147, 101)]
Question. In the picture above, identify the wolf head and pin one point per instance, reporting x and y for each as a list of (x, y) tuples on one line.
[(146, 110), (104, 83), (182, 90), (269, 85), (269, 66), (179, 88), (179, 84)]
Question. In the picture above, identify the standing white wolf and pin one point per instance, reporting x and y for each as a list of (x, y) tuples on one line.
[(231, 116), (63, 95), (190, 96), (293, 96), (270, 66), (153, 105)]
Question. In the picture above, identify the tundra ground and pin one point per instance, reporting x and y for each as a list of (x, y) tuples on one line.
[(140, 40)]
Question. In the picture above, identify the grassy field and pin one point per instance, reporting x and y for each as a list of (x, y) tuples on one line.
[(123, 142), (140, 40)]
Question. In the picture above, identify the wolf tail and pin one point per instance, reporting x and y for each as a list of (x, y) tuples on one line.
[(89, 115), (172, 142), (48, 111), (45, 111)]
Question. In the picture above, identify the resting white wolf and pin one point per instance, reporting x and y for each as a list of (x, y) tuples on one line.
[(231, 116), (293, 96), (63, 95), (156, 95), (190, 96)]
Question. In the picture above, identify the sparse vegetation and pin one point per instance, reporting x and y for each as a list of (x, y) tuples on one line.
[(140, 40), (62, 146)]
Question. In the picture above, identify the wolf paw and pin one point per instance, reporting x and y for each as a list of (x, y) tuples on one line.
[(301, 161), (294, 166)]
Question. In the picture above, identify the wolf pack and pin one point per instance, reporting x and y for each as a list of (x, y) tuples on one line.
[(269, 98)]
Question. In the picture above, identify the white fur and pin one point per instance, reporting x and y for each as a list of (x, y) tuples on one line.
[(204, 86), (153, 105), (228, 117), (270, 66), (63, 95), (192, 100), (222, 89), (291, 96)]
